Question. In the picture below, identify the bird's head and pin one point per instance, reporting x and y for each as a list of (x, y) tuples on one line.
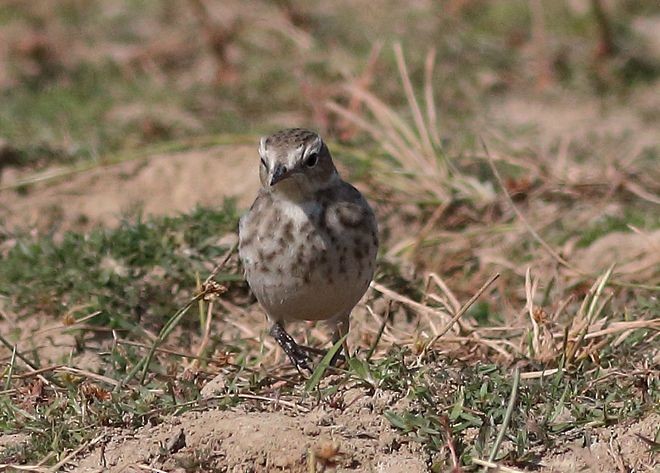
[(295, 161)]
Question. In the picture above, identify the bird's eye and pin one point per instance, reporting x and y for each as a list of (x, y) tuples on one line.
[(263, 162), (311, 160)]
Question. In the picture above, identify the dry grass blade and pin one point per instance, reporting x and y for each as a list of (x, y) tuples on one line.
[(194, 365), (381, 329), (31, 366), (522, 218), (416, 306), (489, 465), (37, 372), (290, 405), (88, 374), (530, 289), (616, 327), (15, 467), (424, 172), (429, 226), (142, 466), (422, 128), (84, 446), (219, 266), (461, 312), (556, 256), (431, 113), (445, 289), (540, 374), (364, 82), (10, 371), (642, 193), (587, 318)]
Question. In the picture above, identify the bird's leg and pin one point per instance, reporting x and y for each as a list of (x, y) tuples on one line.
[(313, 350), (341, 329), (295, 353), (321, 351)]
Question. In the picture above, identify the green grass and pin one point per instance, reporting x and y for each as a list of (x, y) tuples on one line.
[(473, 399), (645, 220), (80, 118), (111, 271), (449, 399), (135, 276), (126, 273)]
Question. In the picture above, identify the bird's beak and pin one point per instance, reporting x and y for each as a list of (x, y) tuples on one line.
[(279, 174)]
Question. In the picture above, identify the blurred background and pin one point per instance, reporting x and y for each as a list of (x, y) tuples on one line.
[(81, 79)]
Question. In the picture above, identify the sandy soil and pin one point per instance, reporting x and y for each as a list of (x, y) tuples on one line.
[(274, 438), (157, 185), (616, 449), (357, 439)]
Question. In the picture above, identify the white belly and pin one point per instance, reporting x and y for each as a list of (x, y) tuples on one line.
[(316, 300)]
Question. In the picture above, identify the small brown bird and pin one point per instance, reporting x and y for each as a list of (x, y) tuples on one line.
[(309, 242)]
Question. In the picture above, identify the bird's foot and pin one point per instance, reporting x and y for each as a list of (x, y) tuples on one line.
[(295, 352), (338, 358)]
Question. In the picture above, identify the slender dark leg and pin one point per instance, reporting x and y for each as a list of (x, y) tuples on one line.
[(341, 330), (295, 353), (322, 352)]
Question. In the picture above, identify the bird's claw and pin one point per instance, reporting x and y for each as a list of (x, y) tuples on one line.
[(294, 351)]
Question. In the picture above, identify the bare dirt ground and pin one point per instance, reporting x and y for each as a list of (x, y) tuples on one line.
[(617, 449), (156, 185), (357, 438), (277, 439), (276, 436)]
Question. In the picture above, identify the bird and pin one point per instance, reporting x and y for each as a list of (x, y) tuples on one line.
[(308, 243)]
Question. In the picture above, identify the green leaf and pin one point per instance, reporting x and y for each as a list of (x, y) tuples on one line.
[(361, 369), (396, 420), (315, 379), (458, 406)]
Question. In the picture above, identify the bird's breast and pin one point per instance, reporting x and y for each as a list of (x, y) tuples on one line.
[(303, 261)]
